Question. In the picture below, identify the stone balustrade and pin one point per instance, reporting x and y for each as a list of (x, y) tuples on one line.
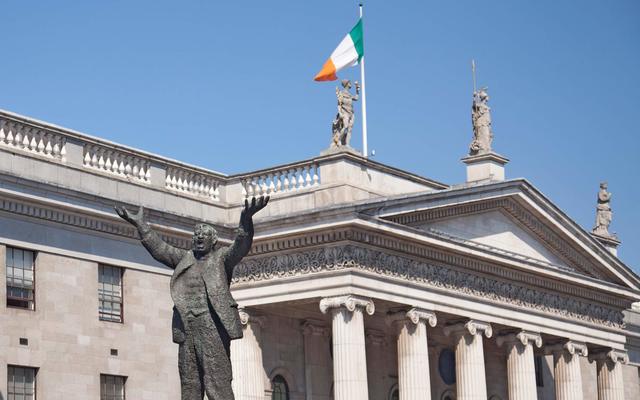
[(28, 137), (117, 163), (19, 136), (281, 180), (192, 183)]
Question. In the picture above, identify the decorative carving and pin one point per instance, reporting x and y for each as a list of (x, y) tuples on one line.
[(604, 214), (472, 327), (481, 121), (414, 315), (350, 302), (246, 317), (524, 337), (438, 276), (571, 347), (343, 123)]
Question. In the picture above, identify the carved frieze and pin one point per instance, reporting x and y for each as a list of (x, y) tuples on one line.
[(444, 277)]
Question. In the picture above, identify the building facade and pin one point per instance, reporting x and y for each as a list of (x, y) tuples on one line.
[(364, 281)]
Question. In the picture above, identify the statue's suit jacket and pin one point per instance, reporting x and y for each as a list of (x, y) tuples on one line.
[(217, 274)]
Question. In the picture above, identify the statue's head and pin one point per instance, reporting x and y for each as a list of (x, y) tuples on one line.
[(204, 239), (346, 84), (603, 185), (483, 94)]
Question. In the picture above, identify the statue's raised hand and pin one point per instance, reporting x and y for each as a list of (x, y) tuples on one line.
[(134, 219), (251, 208)]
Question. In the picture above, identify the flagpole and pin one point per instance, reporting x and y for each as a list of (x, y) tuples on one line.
[(364, 101)]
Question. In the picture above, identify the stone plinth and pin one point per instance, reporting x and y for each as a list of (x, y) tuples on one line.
[(485, 167)]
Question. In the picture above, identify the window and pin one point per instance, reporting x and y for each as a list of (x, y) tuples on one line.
[(110, 293), (280, 388), (20, 278), (112, 387), (394, 394), (538, 367), (447, 366), (21, 383)]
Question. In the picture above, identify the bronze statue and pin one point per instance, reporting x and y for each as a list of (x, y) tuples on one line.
[(343, 123), (205, 316)]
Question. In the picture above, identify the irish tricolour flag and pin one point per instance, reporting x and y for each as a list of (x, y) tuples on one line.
[(348, 53)]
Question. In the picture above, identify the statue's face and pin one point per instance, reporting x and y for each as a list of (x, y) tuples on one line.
[(204, 238), (603, 185)]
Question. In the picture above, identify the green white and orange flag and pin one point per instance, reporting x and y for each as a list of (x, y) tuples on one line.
[(348, 53)]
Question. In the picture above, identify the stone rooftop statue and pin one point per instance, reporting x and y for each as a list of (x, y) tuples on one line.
[(481, 121), (205, 316), (604, 214), (343, 123)]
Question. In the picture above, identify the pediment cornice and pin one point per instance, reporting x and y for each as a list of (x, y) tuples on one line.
[(518, 212)]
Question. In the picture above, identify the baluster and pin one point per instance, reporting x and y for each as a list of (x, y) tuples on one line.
[(120, 164), (107, 164), (101, 162), (216, 191), (307, 172), (127, 166), (48, 149), (144, 171), (56, 149), (10, 134), (94, 157), (278, 177), (18, 137), (3, 135), (285, 183), (271, 188), (136, 169), (300, 176), (167, 180), (316, 178), (25, 140)]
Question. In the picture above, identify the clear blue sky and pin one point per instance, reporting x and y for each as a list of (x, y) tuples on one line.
[(228, 85)]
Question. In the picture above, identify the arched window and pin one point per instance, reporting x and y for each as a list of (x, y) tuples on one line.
[(394, 394), (280, 388)]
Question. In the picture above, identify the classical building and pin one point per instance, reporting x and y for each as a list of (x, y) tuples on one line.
[(364, 281)]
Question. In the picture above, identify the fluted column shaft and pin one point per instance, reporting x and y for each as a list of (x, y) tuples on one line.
[(246, 360), (349, 353), (316, 358), (609, 366), (568, 378), (521, 369), (470, 373), (413, 352)]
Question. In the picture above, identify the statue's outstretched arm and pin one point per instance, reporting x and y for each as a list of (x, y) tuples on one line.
[(158, 248), (244, 237)]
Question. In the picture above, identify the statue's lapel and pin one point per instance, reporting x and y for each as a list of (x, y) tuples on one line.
[(187, 261)]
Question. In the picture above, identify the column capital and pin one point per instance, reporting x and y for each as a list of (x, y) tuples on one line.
[(524, 337), (414, 315), (471, 327), (350, 302), (247, 316), (571, 347), (613, 355), (314, 328)]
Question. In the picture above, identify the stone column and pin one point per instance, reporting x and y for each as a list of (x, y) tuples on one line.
[(317, 357), (413, 352), (470, 376), (246, 359), (521, 369), (609, 367), (567, 375), (349, 354)]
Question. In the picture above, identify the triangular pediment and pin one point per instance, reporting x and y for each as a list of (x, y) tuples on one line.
[(514, 220), (500, 231)]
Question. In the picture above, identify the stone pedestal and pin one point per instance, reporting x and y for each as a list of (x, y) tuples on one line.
[(611, 242), (246, 360), (470, 373), (568, 378), (349, 354), (521, 369), (413, 352), (485, 167), (609, 368)]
